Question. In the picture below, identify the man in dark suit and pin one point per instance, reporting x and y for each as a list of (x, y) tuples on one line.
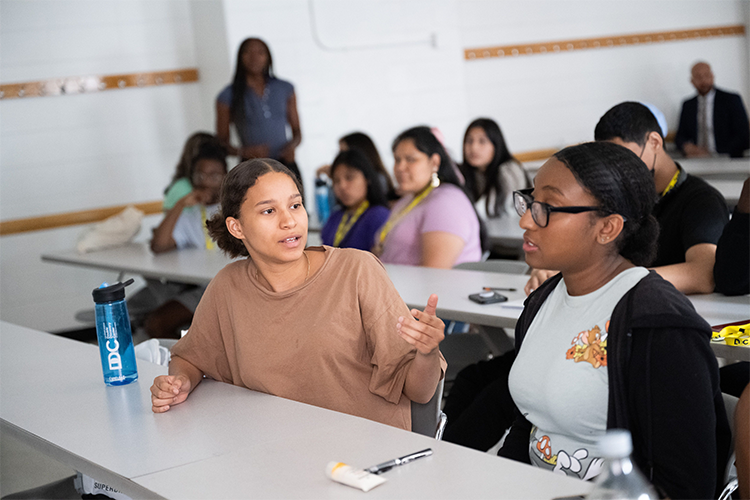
[(714, 121)]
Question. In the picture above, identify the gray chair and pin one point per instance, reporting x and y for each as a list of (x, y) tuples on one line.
[(730, 475), (464, 349), (428, 419)]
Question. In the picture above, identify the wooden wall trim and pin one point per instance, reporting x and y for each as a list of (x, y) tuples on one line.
[(560, 46), (87, 84), (539, 154), (72, 218)]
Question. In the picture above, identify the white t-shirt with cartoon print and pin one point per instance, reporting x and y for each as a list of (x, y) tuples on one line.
[(559, 379)]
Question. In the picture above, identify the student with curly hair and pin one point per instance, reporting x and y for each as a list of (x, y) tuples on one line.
[(324, 326)]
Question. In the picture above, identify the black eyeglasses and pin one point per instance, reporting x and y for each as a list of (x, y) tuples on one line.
[(539, 210)]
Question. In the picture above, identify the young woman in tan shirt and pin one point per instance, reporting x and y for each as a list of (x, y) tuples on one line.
[(324, 326)]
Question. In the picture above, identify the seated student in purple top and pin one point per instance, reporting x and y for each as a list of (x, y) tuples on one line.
[(362, 203), (434, 224)]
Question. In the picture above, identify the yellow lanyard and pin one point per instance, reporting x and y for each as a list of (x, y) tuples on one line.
[(347, 221), (210, 245), (672, 183), (395, 219), (736, 335)]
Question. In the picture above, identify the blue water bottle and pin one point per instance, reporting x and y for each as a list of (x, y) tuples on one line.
[(322, 203), (114, 335)]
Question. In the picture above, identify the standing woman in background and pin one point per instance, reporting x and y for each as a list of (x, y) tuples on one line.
[(434, 224), (362, 203), (490, 171), (260, 106)]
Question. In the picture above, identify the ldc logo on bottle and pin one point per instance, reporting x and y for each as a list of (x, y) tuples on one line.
[(114, 360)]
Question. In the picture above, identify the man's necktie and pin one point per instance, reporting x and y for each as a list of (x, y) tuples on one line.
[(703, 123)]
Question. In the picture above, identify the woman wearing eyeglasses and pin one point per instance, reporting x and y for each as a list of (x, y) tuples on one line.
[(606, 343)]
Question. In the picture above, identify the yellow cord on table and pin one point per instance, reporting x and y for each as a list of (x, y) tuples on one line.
[(210, 245), (736, 335), (347, 222), (395, 219)]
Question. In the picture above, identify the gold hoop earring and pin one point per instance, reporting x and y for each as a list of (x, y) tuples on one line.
[(435, 180)]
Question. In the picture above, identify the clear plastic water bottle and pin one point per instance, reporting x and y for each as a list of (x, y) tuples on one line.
[(322, 199), (114, 335), (620, 478)]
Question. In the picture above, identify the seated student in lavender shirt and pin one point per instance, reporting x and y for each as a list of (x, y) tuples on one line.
[(434, 224), (362, 203)]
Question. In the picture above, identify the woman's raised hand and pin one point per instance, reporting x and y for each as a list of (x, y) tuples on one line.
[(425, 330)]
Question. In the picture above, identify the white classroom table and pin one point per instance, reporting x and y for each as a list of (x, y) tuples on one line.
[(735, 168), (414, 284), (225, 441), (726, 168)]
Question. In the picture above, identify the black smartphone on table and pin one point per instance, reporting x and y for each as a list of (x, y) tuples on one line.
[(487, 297)]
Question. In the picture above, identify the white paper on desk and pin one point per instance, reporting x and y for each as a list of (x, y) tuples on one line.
[(514, 304)]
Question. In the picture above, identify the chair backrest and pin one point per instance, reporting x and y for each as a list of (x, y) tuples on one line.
[(427, 419), (496, 266), (730, 474)]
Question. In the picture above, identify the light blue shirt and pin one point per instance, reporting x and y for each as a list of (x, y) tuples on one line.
[(188, 232), (265, 116)]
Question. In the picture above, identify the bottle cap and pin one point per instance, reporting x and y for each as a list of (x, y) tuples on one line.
[(110, 293), (616, 443)]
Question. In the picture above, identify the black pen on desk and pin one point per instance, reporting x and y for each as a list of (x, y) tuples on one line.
[(499, 289), (386, 466)]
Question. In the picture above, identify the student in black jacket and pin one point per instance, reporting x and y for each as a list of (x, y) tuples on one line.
[(606, 343)]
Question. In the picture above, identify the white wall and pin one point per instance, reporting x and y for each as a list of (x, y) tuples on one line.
[(369, 66), (212, 55), (554, 100), (378, 66), (68, 153), (84, 151)]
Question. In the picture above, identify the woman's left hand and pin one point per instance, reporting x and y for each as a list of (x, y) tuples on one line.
[(425, 334)]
